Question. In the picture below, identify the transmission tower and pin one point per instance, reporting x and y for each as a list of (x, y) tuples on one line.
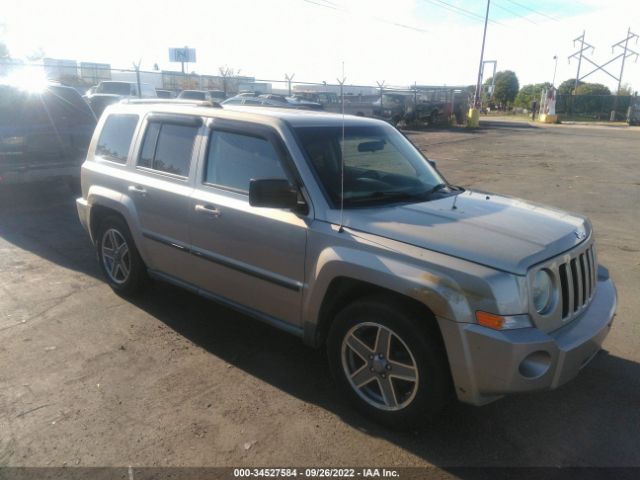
[(626, 53), (584, 46)]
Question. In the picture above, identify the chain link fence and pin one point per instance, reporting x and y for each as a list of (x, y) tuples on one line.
[(410, 106), (593, 107)]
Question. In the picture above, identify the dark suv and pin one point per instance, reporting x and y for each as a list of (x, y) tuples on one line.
[(43, 135)]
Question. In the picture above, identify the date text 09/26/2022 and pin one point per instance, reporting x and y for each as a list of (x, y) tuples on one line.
[(315, 473)]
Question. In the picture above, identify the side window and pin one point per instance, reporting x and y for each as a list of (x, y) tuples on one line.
[(234, 159), (115, 138), (168, 148), (149, 145)]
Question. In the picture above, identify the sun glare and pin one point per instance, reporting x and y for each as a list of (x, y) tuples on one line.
[(31, 79)]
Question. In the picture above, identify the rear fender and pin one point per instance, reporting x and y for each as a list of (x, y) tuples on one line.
[(121, 204)]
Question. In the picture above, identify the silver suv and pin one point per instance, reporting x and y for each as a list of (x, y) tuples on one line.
[(339, 231)]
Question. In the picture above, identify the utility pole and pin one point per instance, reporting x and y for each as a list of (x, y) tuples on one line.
[(341, 83), (415, 101), (289, 78), (476, 101), (136, 66), (381, 87)]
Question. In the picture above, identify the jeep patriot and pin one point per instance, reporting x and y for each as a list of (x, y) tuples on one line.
[(338, 230)]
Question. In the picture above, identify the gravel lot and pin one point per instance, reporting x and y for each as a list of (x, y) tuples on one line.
[(89, 379)]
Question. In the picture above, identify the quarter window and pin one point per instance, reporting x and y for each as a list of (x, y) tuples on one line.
[(168, 148), (234, 159), (116, 136)]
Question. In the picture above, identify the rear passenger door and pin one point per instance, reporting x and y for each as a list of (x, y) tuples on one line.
[(247, 255), (161, 189)]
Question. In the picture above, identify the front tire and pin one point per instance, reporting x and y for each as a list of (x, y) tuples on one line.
[(119, 258), (392, 367)]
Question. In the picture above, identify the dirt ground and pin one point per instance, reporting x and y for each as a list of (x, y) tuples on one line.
[(89, 379)]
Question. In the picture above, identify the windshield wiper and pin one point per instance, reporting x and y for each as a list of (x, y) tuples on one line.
[(380, 195), (437, 188), (442, 186)]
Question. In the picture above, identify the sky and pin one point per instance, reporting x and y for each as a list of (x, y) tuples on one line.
[(431, 42)]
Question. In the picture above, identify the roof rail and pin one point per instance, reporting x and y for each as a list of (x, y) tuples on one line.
[(171, 101)]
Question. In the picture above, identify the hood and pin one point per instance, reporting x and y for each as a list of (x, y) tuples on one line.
[(497, 231)]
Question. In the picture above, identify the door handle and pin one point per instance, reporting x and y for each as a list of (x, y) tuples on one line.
[(208, 210), (137, 189)]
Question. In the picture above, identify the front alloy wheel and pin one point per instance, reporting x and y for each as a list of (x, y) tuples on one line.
[(388, 358), (379, 366)]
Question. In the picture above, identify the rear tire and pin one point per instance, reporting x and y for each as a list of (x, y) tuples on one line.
[(119, 259), (403, 382)]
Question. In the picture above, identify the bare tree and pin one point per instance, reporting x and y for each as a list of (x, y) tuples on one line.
[(226, 73)]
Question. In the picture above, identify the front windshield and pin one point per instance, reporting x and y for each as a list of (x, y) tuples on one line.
[(380, 165), (192, 95), (117, 88)]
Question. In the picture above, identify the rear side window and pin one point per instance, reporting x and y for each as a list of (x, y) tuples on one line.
[(234, 159), (115, 138), (168, 148)]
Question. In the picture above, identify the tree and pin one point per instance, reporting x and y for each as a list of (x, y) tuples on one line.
[(506, 87), (566, 87), (529, 93), (35, 55), (4, 51), (625, 90), (226, 73), (592, 89)]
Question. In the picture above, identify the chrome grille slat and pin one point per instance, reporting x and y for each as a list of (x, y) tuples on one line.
[(577, 277), (594, 265), (584, 279), (589, 276), (577, 284), (565, 291), (570, 299)]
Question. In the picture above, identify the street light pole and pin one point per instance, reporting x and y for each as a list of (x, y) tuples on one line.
[(476, 102), (553, 82)]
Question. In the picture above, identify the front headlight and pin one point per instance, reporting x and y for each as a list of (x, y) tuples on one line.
[(542, 291)]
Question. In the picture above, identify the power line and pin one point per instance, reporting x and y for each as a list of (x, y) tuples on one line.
[(334, 6), (533, 10), (515, 13), (323, 5), (461, 11)]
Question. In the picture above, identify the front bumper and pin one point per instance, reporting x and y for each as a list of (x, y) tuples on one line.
[(486, 364)]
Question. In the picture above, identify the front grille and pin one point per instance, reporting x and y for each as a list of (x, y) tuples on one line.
[(577, 282)]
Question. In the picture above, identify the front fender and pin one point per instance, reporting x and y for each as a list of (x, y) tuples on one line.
[(452, 288), (438, 291)]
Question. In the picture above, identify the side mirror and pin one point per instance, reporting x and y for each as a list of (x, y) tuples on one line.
[(272, 193), (432, 163)]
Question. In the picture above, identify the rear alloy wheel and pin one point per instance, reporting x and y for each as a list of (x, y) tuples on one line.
[(116, 257), (390, 362), (119, 258)]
